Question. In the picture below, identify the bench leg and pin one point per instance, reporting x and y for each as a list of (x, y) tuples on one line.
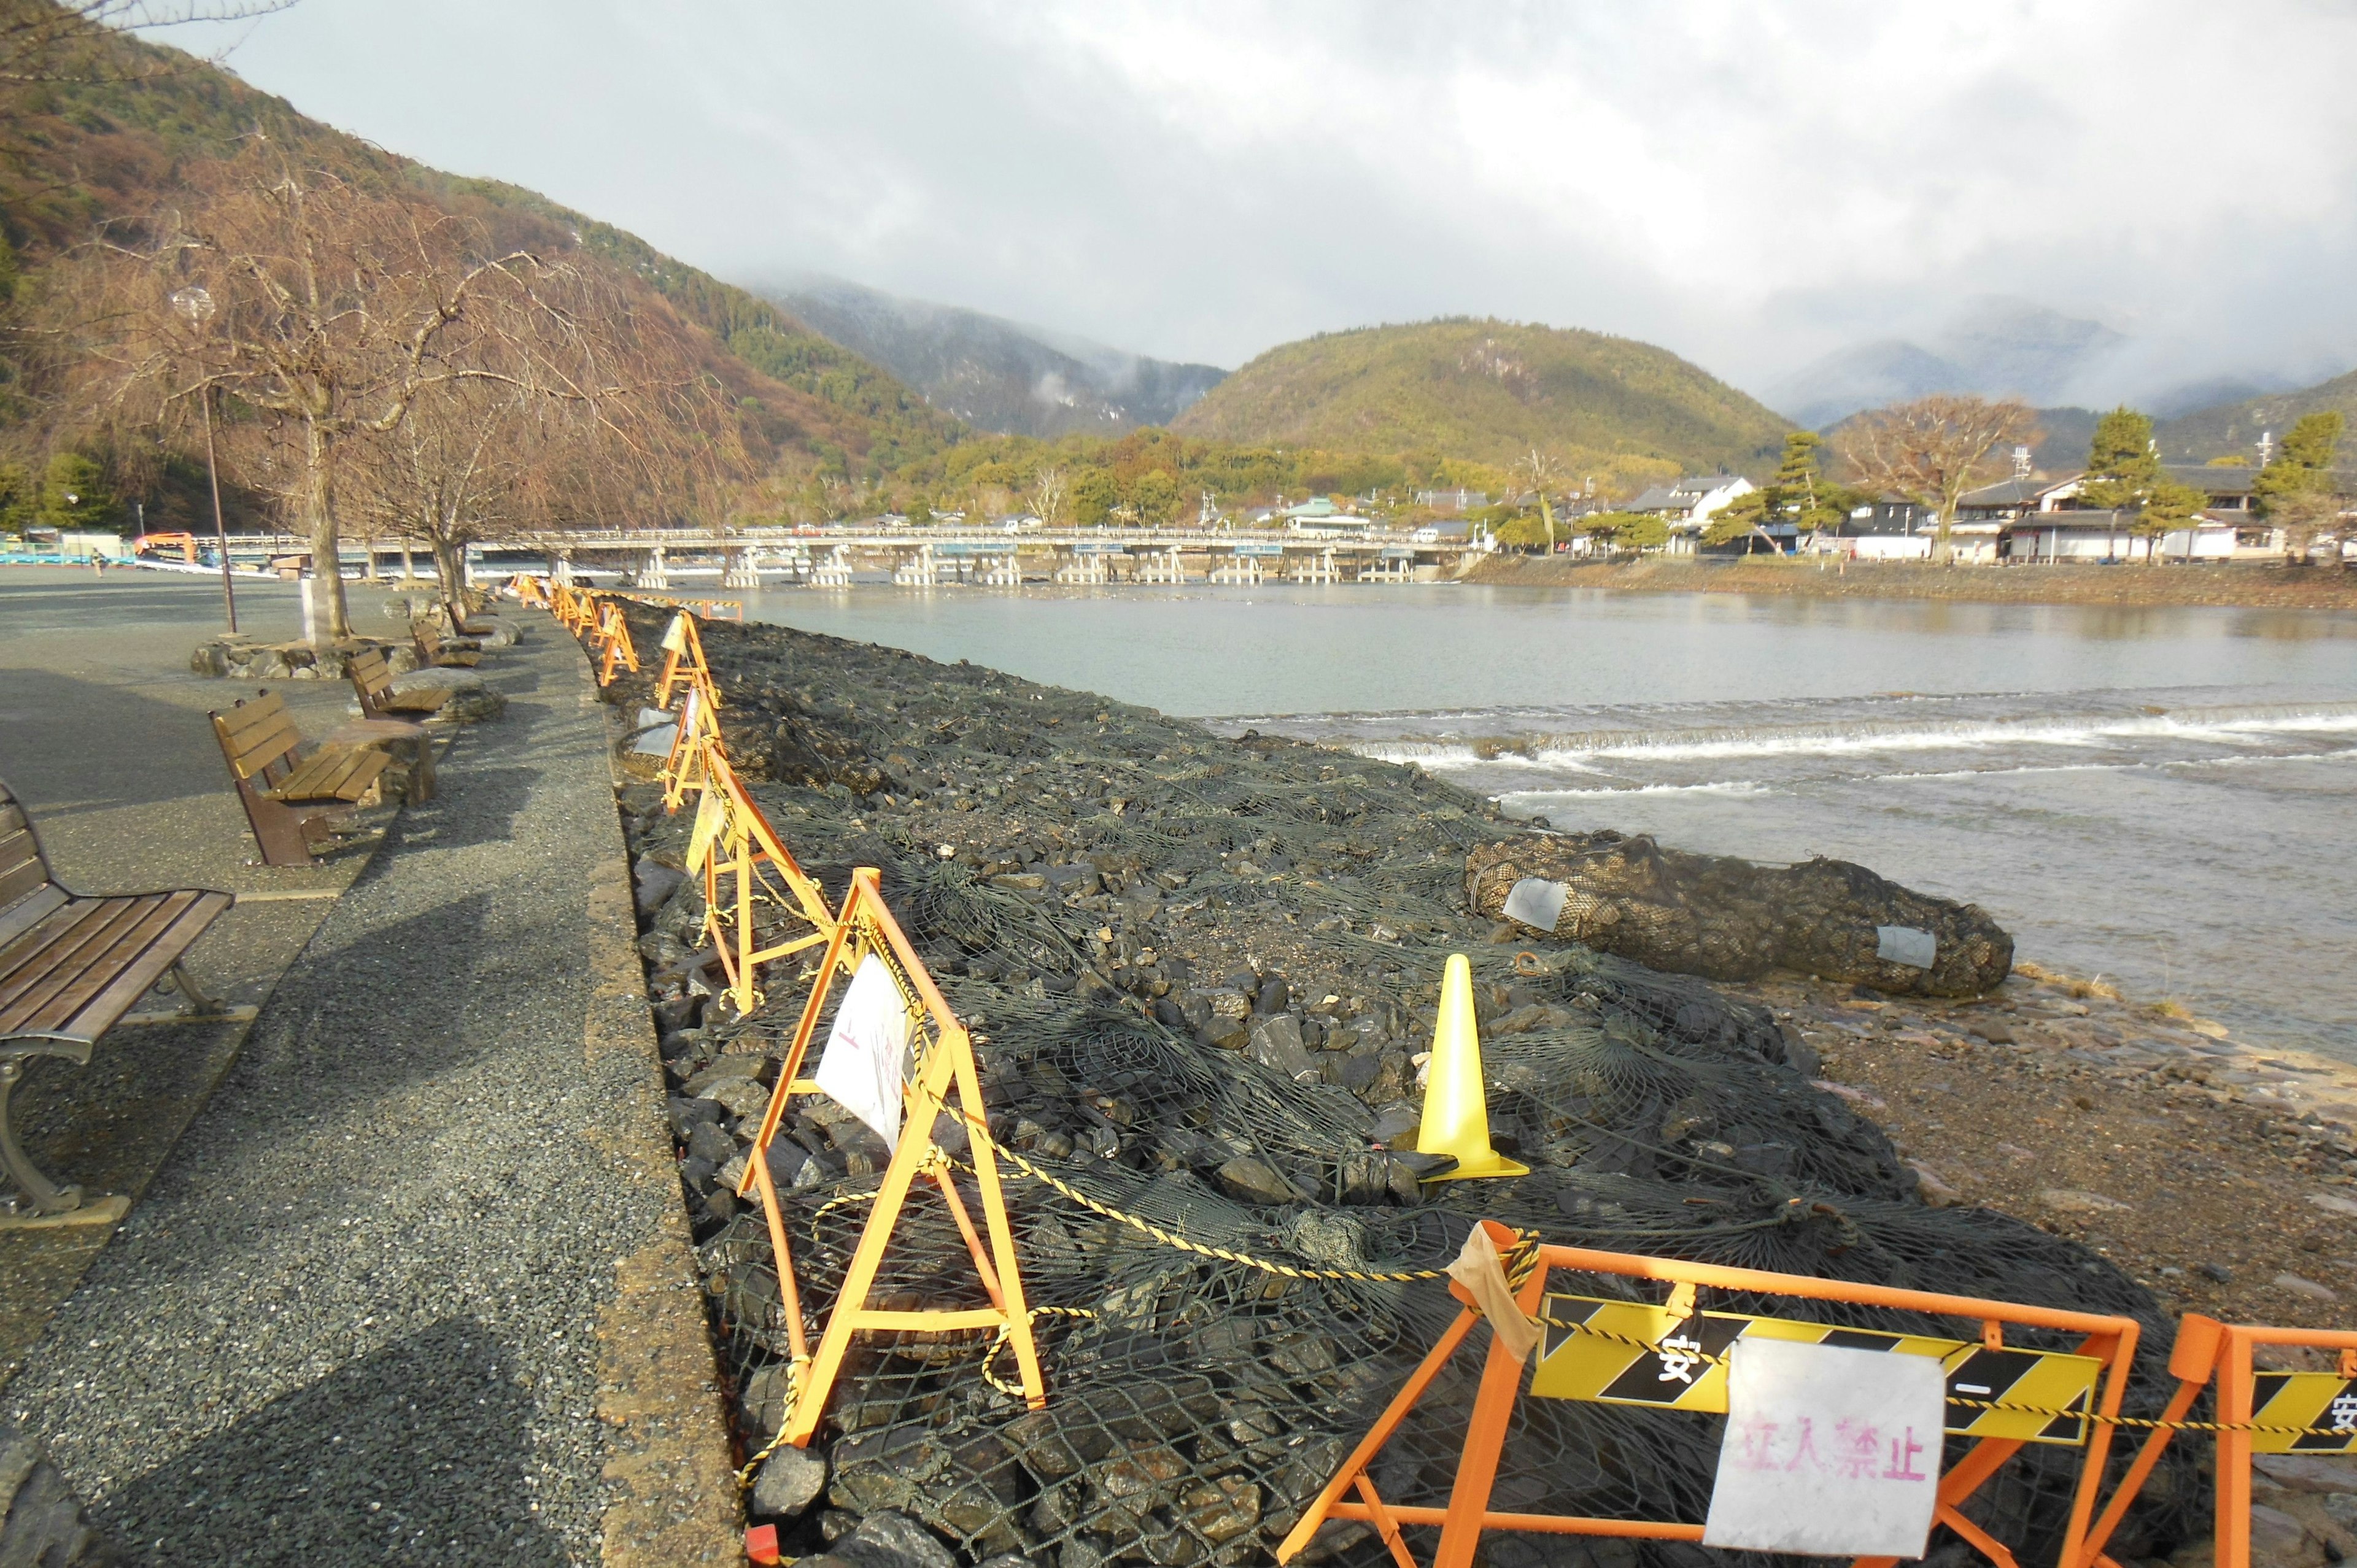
[(45, 1196), (279, 832), (200, 1005), (421, 773)]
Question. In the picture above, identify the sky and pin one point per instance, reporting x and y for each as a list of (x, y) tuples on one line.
[(1750, 185)]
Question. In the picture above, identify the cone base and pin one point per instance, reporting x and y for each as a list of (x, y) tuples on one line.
[(1495, 1165)]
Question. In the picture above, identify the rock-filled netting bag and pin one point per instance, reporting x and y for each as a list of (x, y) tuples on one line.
[(1731, 919), (1200, 973)]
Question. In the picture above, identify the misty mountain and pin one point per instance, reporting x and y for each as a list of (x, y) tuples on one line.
[(2233, 429), (994, 374), (1995, 347)]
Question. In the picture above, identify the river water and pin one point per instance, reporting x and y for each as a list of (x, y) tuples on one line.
[(2166, 797)]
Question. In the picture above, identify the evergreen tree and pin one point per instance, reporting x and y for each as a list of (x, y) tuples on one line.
[(2121, 468), (74, 494), (2296, 490)]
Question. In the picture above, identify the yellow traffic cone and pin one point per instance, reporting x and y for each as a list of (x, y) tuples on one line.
[(1456, 1106)]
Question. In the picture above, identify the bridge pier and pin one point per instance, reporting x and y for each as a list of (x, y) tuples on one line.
[(740, 569), (560, 568), (653, 575), (917, 571), (835, 572)]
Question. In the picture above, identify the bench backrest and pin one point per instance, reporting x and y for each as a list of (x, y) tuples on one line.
[(372, 679), (258, 736), (429, 645), (27, 891)]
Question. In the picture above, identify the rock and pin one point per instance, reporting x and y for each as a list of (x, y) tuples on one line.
[(1008, 1559), (41, 1522), (1274, 994), (788, 1482), (1799, 1055), (1397, 1126), (2340, 1508), (2309, 1472), (2070, 1201), (1020, 882), (2332, 1203), (2280, 1541), (1227, 1001), (736, 1066), (2219, 1272), (497, 631), (2308, 1290), (893, 1540), (1248, 1180), (1276, 1043), (1933, 1190), (742, 1096), (454, 696), (706, 1141), (654, 884), (1991, 1030)]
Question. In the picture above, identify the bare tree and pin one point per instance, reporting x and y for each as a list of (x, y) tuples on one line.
[(1933, 450), (326, 308), (1048, 496), (69, 40), (1544, 470), (2304, 517)]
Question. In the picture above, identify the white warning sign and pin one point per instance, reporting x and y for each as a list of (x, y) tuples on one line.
[(1828, 1452)]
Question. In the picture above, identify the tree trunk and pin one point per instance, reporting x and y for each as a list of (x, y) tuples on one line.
[(319, 522), (447, 566), (1941, 549)]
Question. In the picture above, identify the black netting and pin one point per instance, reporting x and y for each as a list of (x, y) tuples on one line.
[(1200, 972)]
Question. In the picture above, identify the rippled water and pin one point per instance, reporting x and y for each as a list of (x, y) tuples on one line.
[(2163, 796)]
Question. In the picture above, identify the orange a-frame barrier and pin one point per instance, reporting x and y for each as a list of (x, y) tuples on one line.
[(2098, 1369), (684, 662), (531, 592), (2258, 1413), (698, 735), (865, 926), (731, 838), (612, 640)]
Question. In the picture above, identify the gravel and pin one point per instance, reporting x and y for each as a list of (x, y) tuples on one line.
[(357, 1315)]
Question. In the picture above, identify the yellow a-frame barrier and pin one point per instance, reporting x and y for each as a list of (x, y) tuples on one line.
[(732, 838), (683, 770), (684, 662), (612, 640), (865, 926)]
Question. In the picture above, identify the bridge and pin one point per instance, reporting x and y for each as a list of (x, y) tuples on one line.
[(835, 556)]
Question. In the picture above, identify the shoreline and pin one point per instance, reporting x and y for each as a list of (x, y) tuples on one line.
[(2132, 587), (1274, 915)]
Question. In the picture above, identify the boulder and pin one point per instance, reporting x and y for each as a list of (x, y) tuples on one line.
[(446, 696), (1729, 919), (788, 1482)]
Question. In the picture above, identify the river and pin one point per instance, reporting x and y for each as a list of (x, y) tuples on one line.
[(2165, 796)]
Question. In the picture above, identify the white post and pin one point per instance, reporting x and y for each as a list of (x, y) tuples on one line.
[(310, 612)]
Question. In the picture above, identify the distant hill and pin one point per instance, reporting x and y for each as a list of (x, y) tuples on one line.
[(1995, 347), (1488, 390), (994, 374), (90, 152), (2233, 429)]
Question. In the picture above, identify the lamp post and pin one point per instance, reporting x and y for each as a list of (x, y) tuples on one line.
[(197, 304)]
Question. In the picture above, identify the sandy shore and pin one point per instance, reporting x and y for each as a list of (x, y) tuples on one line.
[(2250, 587)]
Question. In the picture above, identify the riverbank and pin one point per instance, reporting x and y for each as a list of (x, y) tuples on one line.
[(2253, 587), (1203, 972)]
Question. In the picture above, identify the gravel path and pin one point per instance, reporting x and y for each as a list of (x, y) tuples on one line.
[(357, 1317)]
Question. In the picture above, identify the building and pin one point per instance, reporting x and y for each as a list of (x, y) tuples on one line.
[(1452, 502), (1690, 503)]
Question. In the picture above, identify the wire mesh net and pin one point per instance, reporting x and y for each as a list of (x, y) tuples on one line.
[(1196, 970)]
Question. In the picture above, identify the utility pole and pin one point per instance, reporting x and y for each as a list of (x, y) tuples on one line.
[(220, 529)]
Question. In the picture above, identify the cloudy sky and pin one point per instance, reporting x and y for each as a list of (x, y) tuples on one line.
[(1750, 185)]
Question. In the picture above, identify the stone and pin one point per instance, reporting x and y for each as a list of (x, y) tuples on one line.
[(2070, 1201), (2218, 1273), (2308, 1290), (1008, 1559), (654, 884), (788, 1482), (1397, 1125), (1935, 1192), (2309, 1472), (1275, 994), (742, 1096), (1276, 1043), (726, 1067), (1990, 1029), (455, 696), (2280, 1541), (2332, 1203), (1248, 1180), (1020, 882), (706, 1141), (892, 1540)]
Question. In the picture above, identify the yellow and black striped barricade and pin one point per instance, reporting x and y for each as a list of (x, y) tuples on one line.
[(746, 869), (1673, 1355), (685, 768), (684, 662), (2257, 1413), (943, 1060)]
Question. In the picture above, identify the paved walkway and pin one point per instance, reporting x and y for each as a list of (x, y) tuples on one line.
[(414, 1285)]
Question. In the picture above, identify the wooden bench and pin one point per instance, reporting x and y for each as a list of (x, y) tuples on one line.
[(372, 681), (70, 967), (289, 796), (433, 655)]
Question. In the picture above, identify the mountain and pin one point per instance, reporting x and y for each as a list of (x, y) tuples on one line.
[(108, 146), (2233, 429), (1993, 348), (1488, 390), (994, 374)]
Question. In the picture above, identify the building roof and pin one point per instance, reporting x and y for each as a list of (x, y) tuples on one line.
[(2225, 479)]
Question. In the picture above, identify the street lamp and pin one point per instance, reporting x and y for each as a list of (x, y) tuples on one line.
[(196, 303)]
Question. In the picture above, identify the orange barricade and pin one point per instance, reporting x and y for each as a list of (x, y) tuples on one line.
[(2258, 1413), (731, 838), (864, 927), (613, 643), (530, 591), (699, 731), (1591, 1344), (683, 661)]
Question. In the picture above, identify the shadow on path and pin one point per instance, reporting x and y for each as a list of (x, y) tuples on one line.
[(418, 1453)]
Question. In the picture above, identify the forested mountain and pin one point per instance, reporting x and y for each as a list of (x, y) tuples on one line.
[(109, 144), (1489, 391), (2233, 429), (993, 373), (1993, 348)]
